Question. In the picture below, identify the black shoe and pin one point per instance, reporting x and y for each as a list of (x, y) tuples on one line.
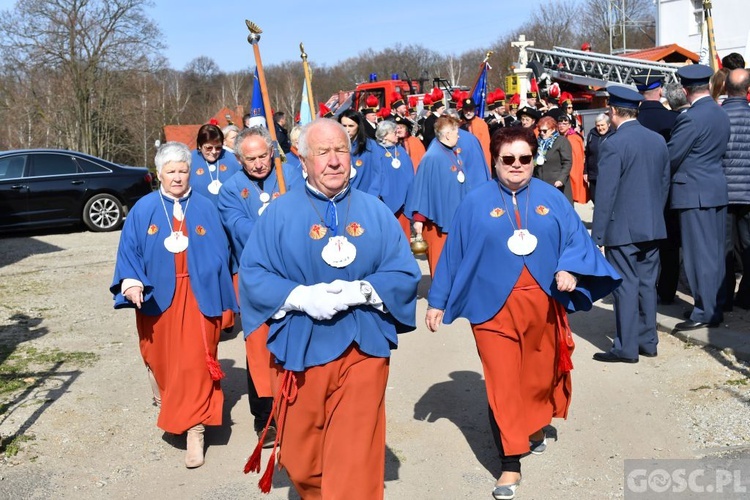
[(694, 325), (270, 436), (642, 352), (687, 314), (610, 357)]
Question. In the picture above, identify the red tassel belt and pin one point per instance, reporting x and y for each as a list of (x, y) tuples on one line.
[(564, 339)]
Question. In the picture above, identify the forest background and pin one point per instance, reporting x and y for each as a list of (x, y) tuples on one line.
[(91, 76)]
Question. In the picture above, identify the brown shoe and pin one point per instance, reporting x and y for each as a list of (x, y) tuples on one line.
[(194, 455), (270, 437)]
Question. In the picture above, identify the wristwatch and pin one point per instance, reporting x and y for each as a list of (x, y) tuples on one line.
[(365, 289)]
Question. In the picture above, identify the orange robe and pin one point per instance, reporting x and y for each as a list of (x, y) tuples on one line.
[(479, 128), (172, 347), (415, 149), (259, 360), (435, 239), (577, 185), (518, 350), (333, 433)]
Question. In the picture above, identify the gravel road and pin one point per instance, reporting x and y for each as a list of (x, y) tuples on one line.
[(87, 427)]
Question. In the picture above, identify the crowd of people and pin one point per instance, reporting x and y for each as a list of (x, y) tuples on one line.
[(314, 254)]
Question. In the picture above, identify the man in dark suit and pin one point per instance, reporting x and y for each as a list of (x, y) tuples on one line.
[(654, 116), (699, 193), (632, 189)]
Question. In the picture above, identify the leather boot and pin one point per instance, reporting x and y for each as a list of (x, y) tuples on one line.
[(194, 455)]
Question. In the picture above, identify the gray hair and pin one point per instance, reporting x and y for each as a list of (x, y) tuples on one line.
[(230, 128), (675, 96), (170, 152), (303, 148), (602, 117), (256, 131), (452, 112), (384, 128), (294, 135)]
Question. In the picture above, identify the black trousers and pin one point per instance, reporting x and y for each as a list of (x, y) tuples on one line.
[(260, 407), (737, 248), (510, 463), (669, 258)]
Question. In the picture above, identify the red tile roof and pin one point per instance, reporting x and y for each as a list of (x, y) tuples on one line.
[(667, 53), (187, 134)]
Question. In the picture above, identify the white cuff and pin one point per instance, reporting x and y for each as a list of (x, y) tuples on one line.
[(129, 283)]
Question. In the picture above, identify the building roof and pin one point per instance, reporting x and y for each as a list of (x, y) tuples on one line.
[(666, 53), (187, 134)]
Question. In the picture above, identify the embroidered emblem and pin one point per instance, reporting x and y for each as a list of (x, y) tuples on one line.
[(200, 230), (153, 229), (542, 210), (497, 212), (223, 167), (245, 193), (358, 163), (317, 231), (453, 168), (355, 229), (200, 171), (275, 195), (458, 151), (388, 154)]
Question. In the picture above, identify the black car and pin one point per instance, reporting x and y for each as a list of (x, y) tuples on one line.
[(49, 187)]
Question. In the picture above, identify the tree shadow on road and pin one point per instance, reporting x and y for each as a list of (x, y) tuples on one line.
[(463, 401)]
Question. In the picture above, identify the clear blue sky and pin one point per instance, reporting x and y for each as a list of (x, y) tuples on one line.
[(331, 31)]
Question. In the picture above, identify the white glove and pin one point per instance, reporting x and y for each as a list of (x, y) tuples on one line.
[(316, 301), (349, 292)]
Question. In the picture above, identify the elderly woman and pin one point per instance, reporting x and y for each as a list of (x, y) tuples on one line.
[(554, 157), (578, 189), (446, 174), (396, 169), (596, 137), (230, 134), (173, 268), (212, 164), (517, 257)]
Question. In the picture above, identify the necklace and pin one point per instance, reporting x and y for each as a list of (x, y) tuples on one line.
[(176, 242), (215, 185), (264, 197), (457, 165), (522, 242), (395, 162), (338, 252)]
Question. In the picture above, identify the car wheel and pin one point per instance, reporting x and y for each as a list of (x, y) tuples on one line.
[(103, 212)]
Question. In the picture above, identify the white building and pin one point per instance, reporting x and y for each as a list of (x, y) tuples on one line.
[(679, 21)]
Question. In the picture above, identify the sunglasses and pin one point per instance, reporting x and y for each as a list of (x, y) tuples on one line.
[(510, 159), (543, 130)]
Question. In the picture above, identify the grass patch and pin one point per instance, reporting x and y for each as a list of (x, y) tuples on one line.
[(11, 445), (21, 366), (737, 381)]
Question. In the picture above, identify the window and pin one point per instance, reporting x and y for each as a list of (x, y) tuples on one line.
[(12, 167), (90, 167), (53, 164), (697, 19)]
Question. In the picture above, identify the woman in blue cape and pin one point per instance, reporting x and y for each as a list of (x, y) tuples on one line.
[(516, 259), (212, 165), (173, 267)]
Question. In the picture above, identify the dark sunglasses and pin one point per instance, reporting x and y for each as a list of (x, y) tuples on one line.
[(510, 159), (543, 130)]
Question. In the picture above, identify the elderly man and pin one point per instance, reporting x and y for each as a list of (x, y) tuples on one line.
[(331, 271), (628, 221), (736, 164), (242, 200), (699, 193)]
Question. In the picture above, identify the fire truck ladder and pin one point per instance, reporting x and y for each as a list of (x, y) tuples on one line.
[(594, 69)]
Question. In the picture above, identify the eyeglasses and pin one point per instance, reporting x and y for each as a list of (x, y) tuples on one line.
[(543, 130), (208, 147), (510, 159)]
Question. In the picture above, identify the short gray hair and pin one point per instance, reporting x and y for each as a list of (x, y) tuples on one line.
[(675, 96), (384, 128), (602, 117), (230, 128), (294, 135), (170, 152), (256, 131), (303, 148)]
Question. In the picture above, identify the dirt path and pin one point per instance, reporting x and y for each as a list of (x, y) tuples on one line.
[(91, 433)]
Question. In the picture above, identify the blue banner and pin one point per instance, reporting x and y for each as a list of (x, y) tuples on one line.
[(257, 110), (479, 94)]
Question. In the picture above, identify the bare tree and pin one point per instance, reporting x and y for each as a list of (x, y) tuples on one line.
[(78, 41)]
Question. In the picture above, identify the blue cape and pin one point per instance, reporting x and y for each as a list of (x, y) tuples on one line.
[(200, 177), (283, 252), (476, 271), (369, 176), (395, 181), (436, 192), (142, 256)]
